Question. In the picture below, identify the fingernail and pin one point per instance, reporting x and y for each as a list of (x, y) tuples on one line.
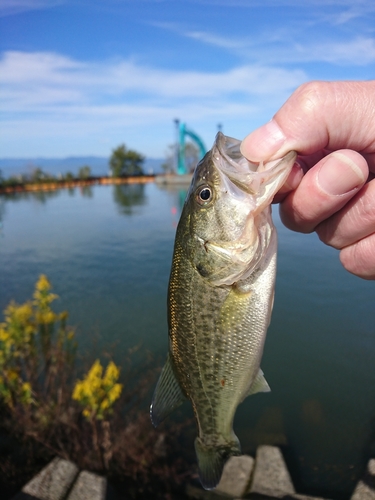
[(263, 143), (339, 175)]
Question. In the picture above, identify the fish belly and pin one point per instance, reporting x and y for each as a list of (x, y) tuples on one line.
[(217, 336)]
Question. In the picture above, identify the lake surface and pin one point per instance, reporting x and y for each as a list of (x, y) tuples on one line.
[(107, 251)]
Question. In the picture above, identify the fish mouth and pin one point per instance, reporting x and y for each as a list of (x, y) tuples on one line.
[(226, 262), (253, 178)]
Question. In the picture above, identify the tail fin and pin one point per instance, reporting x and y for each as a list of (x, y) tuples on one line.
[(211, 460)]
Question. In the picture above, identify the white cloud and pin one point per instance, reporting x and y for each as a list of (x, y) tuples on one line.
[(295, 44), (347, 12), (56, 102), (258, 3), (12, 7), (231, 43), (285, 3), (31, 81), (360, 51)]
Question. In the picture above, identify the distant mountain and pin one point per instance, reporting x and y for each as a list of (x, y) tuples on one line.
[(55, 166)]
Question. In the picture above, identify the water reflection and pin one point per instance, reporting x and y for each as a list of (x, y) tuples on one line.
[(178, 192), (268, 428), (86, 191), (182, 197), (370, 442), (43, 196), (2, 213), (39, 196), (128, 196)]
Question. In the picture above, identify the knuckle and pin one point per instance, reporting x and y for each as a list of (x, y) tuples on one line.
[(294, 219), (366, 204), (311, 96), (351, 223), (359, 259), (326, 233)]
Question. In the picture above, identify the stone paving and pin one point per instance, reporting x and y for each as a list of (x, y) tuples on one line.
[(262, 478)]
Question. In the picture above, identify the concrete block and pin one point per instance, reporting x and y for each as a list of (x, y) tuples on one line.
[(305, 497), (198, 493), (271, 476), (53, 482), (236, 476), (365, 489), (89, 486)]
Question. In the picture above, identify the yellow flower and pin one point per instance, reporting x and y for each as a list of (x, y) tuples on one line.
[(20, 314), (105, 404), (19, 325), (12, 375), (46, 317), (24, 312), (70, 335), (26, 393), (43, 284), (4, 335), (96, 370), (112, 373), (41, 295), (97, 393), (77, 392), (114, 393)]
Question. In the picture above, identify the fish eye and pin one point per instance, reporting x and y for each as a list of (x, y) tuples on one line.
[(204, 195)]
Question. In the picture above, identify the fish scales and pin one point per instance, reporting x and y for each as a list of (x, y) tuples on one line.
[(220, 298), (218, 351)]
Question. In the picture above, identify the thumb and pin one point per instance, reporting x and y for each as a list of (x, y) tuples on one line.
[(318, 115)]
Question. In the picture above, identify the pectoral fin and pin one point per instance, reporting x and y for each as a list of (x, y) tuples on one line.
[(260, 384), (167, 395)]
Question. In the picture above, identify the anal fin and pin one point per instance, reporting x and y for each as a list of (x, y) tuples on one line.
[(260, 384)]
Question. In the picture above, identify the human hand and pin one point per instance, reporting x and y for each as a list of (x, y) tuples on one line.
[(331, 189)]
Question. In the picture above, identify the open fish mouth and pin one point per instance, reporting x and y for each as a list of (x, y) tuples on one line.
[(246, 175)]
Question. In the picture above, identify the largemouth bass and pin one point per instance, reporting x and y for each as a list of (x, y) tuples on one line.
[(220, 297)]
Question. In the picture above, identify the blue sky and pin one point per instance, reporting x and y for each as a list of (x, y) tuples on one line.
[(80, 77)]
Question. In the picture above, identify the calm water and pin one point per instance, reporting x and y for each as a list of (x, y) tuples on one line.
[(107, 251)]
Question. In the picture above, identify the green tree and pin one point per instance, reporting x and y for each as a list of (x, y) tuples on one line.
[(68, 176), (170, 162), (84, 172), (129, 196), (38, 175), (125, 161), (192, 156)]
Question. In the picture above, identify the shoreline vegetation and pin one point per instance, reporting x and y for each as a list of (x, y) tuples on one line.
[(125, 166), (14, 186), (52, 403)]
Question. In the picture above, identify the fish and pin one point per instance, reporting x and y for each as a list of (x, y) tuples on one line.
[(220, 298)]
